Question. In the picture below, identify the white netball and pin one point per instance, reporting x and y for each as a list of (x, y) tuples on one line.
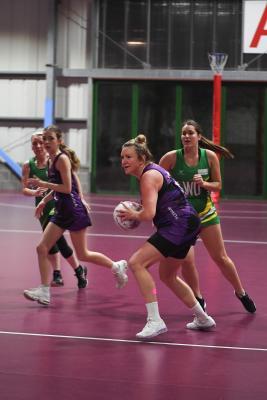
[(127, 224)]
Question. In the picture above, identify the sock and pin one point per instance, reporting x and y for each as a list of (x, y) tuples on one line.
[(241, 295), (45, 288), (114, 267), (199, 313), (153, 311)]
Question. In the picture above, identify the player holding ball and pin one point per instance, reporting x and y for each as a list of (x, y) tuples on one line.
[(177, 226)]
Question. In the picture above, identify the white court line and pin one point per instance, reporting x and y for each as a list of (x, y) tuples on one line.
[(221, 214), (243, 212), (204, 346), (111, 235), (237, 217), (112, 207), (110, 212)]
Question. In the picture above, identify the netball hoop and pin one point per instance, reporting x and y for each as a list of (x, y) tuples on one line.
[(217, 63)]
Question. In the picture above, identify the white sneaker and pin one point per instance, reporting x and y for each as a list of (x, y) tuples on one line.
[(120, 273), (152, 329), (39, 294), (201, 325)]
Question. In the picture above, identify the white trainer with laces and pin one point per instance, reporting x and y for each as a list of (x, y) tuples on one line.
[(201, 325), (152, 329), (40, 294), (119, 270)]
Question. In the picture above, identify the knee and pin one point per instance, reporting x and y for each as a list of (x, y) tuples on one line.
[(65, 250), (222, 260), (42, 250), (82, 255), (134, 265)]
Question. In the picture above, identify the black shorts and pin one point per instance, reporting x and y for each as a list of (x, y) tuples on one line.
[(169, 249)]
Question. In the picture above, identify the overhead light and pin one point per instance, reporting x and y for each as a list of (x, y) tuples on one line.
[(135, 43)]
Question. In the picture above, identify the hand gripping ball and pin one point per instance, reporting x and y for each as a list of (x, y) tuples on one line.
[(130, 223)]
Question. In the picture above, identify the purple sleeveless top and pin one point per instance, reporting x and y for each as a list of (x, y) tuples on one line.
[(70, 213), (175, 219)]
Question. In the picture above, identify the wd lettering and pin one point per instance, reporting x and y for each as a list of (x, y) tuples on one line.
[(191, 188)]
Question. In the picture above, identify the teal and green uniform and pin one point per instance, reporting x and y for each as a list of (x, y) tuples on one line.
[(199, 197), (42, 174)]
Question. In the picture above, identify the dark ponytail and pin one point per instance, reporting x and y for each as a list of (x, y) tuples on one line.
[(75, 162), (207, 143)]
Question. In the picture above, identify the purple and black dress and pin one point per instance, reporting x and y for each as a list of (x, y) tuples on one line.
[(70, 213), (177, 222)]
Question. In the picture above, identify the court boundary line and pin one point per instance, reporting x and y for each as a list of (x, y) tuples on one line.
[(121, 236), (111, 206), (100, 339)]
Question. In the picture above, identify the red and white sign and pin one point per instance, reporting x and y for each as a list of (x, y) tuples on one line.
[(255, 27)]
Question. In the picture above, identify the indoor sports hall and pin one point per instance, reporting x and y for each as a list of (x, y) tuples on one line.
[(83, 345), (104, 71)]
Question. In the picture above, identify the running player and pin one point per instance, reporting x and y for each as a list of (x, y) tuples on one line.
[(196, 167), (37, 167), (177, 225), (70, 214)]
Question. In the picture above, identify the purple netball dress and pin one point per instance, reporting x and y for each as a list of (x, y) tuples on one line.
[(175, 219), (70, 213)]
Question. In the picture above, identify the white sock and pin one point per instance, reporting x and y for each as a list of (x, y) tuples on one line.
[(153, 311), (199, 313), (45, 288), (114, 267)]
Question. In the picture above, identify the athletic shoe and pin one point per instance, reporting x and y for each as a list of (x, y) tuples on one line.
[(152, 329), (119, 270), (40, 294), (57, 279), (81, 275), (202, 303), (197, 324), (247, 302)]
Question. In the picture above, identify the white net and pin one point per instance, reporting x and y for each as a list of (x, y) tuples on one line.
[(217, 61)]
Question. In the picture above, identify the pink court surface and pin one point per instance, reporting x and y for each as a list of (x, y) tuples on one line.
[(83, 345)]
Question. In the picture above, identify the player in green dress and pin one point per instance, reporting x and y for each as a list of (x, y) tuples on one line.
[(197, 169)]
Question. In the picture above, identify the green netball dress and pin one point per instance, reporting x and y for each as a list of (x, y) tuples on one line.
[(199, 197), (42, 174)]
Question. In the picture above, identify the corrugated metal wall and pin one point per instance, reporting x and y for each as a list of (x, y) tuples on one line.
[(23, 27), (23, 47)]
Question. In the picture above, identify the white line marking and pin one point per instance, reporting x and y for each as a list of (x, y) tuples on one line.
[(242, 212), (237, 217), (111, 235), (100, 339), (220, 212)]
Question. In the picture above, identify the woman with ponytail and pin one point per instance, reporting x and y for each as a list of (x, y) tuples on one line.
[(37, 167), (177, 226), (197, 169), (71, 213)]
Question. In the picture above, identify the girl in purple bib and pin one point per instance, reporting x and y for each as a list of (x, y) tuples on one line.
[(71, 212), (177, 226)]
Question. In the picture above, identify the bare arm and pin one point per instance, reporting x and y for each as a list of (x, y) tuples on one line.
[(168, 160), (40, 207), (26, 190), (150, 185), (215, 183), (64, 167)]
